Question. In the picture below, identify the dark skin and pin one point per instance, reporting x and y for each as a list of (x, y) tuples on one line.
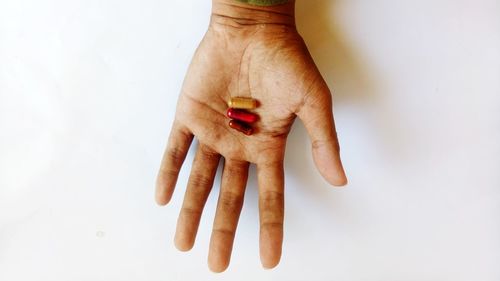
[(254, 52)]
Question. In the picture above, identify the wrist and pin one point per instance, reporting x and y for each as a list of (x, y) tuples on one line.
[(239, 13)]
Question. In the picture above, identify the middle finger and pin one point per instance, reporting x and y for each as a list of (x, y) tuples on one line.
[(234, 180), (199, 186)]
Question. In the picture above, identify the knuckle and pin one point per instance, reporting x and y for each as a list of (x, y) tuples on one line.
[(317, 144), (233, 153), (208, 152), (271, 207), (272, 196), (224, 231), (190, 212), (230, 201), (334, 143), (168, 172), (175, 155), (271, 225), (235, 168), (199, 181)]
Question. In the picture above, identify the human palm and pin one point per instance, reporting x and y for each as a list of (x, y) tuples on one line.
[(272, 65)]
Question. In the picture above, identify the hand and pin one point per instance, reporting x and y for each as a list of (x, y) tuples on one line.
[(262, 57)]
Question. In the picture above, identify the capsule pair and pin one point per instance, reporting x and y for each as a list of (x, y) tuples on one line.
[(240, 118)]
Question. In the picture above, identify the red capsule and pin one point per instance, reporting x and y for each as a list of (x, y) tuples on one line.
[(241, 115), (241, 127)]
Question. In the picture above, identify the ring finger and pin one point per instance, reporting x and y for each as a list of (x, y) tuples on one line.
[(234, 180)]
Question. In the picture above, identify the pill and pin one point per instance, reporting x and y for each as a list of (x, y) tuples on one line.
[(242, 103), (241, 115), (241, 127)]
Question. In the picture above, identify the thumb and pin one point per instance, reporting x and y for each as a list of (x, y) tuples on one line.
[(317, 116)]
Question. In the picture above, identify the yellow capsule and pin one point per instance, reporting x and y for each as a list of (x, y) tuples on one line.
[(242, 103)]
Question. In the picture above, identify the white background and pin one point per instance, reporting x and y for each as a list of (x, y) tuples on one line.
[(87, 96)]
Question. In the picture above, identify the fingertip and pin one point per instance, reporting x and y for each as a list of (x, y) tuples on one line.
[(215, 268), (219, 253), (161, 203), (162, 197), (327, 160), (165, 185), (271, 248), (269, 266), (162, 200), (183, 248), (333, 175), (269, 262), (336, 175), (217, 265), (182, 245), (339, 182)]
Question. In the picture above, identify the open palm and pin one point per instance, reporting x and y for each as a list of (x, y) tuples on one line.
[(271, 64)]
